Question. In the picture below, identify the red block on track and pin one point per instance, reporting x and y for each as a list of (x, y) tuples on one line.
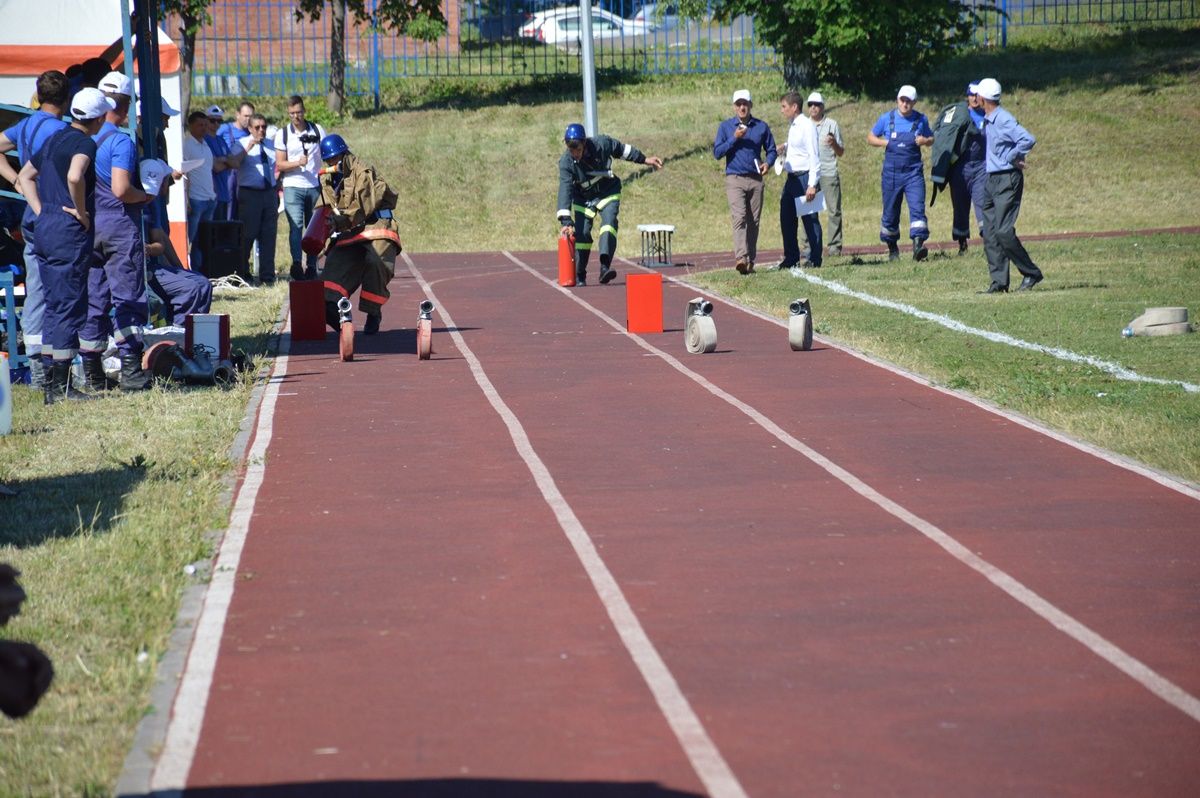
[(644, 303), (307, 300)]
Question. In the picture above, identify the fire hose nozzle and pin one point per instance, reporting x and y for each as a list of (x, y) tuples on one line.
[(425, 309)]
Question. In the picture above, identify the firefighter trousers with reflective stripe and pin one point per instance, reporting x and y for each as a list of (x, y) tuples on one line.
[(587, 235), (370, 264), (116, 282)]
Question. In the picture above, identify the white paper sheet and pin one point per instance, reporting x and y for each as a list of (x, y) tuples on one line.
[(804, 207)]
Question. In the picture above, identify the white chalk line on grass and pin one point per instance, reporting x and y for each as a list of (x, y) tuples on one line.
[(714, 773), (1138, 671), (191, 701), (1107, 366)]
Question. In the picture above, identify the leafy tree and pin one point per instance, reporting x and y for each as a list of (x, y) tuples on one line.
[(193, 15), (420, 19), (856, 44)]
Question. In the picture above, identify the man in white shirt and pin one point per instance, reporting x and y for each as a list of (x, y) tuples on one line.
[(802, 161), (258, 208), (298, 156), (201, 196)]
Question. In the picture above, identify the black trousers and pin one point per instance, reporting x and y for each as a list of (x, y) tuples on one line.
[(1001, 205)]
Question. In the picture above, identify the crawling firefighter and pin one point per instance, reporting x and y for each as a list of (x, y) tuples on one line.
[(365, 239), (587, 188)]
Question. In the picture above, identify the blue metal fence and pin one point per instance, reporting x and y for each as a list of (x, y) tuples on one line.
[(258, 47)]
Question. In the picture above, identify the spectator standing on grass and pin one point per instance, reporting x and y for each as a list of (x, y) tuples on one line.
[(27, 137), (802, 162), (298, 157), (829, 140), (258, 206), (59, 182), (746, 144), (1007, 146), (201, 197), (957, 161), (232, 132), (225, 163), (902, 132)]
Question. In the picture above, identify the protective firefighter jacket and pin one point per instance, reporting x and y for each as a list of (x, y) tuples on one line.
[(591, 177), (952, 136), (362, 202)]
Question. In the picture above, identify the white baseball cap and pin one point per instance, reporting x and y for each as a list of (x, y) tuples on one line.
[(166, 108), (214, 112), (117, 83), (989, 89), (972, 88), (816, 99), (907, 91), (742, 94), (153, 171), (91, 103)]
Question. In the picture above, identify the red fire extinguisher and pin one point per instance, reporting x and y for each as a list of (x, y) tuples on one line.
[(317, 232), (566, 260)]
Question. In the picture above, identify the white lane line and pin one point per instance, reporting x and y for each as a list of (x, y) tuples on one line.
[(1166, 480), (1122, 661), (1107, 366), (715, 774), (191, 701)]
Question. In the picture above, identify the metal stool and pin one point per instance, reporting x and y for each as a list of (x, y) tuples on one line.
[(656, 244)]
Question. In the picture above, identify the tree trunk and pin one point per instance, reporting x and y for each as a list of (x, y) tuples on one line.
[(796, 74), (337, 56), (187, 62)]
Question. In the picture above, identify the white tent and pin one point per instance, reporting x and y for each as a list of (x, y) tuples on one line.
[(37, 35)]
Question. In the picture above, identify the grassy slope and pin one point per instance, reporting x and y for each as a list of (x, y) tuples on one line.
[(1117, 123)]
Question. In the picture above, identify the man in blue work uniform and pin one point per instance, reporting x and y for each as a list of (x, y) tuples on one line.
[(117, 280), (1007, 145), (746, 144), (587, 188), (902, 132), (27, 137), (183, 291), (59, 182)]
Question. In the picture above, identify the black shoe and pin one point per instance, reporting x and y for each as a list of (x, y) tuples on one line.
[(133, 376), (93, 374), (995, 288), (310, 273), (372, 325), (919, 251), (962, 246), (782, 266), (893, 251), (331, 316), (607, 276), (297, 272), (1029, 282), (58, 385)]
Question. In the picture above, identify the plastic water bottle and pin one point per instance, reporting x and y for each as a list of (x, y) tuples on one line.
[(1127, 332), (5, 396)]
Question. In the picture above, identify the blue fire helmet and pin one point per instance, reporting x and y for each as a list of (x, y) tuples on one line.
[(574, 132), (332, 146)]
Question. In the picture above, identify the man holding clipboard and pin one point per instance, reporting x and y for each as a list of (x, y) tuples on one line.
[(801, 200)]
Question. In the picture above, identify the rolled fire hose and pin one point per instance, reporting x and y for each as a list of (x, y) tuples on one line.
[(425, 329), (800, 325), (700, 331)]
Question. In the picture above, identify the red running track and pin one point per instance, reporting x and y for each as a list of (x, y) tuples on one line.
[(409, 617)]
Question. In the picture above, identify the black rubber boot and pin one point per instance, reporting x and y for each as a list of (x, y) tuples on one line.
[(133, 376), (919, 251), (59, 387), (962, 246), (372, 325), (331, 316), (37, 372), (93, 374), (893, 250)]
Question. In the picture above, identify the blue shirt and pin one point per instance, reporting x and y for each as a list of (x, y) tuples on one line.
[(976, 117), (740, 154), (889, 124), (116, 151), (257, 169), (220, 179), (29, 135), (1007, 141)]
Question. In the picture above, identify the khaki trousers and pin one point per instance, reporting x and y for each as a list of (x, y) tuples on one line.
[(745, 195)]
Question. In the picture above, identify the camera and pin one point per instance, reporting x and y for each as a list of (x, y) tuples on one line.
[(308, 137)]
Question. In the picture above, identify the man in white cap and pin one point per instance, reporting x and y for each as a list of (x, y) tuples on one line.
[(746, 144), (902, 132), (829, 139), (225, 163), (1007, 145), (183, 291), (117, 279), (59, 183), (957, 161)]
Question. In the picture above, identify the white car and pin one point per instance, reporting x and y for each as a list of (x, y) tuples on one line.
[(561, 26), (647, 17)]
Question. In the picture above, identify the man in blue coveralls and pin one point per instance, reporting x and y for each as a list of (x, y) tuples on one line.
[(903, 131), (117, 279), (28, 136), (183, 291), (59, 182)]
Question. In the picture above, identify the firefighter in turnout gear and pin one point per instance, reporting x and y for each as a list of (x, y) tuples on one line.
[(365, 242), (587, 188)]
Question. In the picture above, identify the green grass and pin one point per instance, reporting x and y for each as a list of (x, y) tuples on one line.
[(117, 496)]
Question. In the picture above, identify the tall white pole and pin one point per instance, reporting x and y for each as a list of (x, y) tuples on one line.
[(588, 64)]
